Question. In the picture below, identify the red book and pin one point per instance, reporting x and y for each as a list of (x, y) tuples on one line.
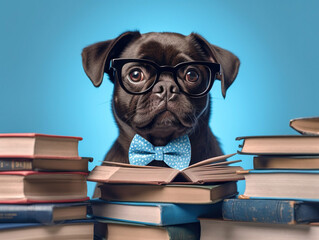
[(42, 187), (33, 145)]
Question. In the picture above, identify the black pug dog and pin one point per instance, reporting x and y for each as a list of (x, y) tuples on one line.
[(161, 88)]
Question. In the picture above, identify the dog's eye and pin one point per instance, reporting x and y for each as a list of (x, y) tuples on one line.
[(191, 76), (136, 75)]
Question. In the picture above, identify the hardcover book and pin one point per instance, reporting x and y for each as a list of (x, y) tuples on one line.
[(160, 214), (286, 162), (281, 184), (45, 164), (35, 187), (270, 211), (112, 230), (208, 171), (42, 213), (280, 145), (306, 125), (31, 145), (168, 193), (72, 230), (231, 230)]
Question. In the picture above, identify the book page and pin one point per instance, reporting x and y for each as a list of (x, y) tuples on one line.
[(145, 175), (209, 173), (132, 175), (102, 173), (211, 160)]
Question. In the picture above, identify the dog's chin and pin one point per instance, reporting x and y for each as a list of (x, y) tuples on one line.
[(162, 128)]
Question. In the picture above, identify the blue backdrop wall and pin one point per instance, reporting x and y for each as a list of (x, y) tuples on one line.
[(44, 88)]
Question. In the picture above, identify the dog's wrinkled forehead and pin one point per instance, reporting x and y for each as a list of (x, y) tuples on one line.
[(164, 49)]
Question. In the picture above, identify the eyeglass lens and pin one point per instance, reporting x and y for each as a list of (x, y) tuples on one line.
[(139, 77)]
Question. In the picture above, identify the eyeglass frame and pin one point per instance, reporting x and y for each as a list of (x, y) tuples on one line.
[(118, 63)]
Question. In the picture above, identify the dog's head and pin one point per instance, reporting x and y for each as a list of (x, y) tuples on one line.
[(161, 80)]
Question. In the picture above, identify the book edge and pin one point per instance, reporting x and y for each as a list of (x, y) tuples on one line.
[(38, 135)]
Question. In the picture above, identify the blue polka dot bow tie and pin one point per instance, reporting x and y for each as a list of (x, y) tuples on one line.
[(176, 154)]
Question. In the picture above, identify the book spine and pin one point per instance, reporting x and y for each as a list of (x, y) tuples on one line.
[(184, 231), (15, 164), (26, 214), (264, 211)]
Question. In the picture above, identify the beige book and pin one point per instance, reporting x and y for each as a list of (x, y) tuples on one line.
[(286, 162), (280, 145), (281, 184), (36, 187), (70, 231), (212, 229), (123, 231), (192, 194), (69, 213), (307, 125), (33, 145)]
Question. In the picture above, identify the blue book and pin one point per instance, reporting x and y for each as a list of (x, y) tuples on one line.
[(270, 211), (42, 213), (281, 184), (7, 226), (159, 214)]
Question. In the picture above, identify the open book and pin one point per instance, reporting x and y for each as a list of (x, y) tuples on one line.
[(208, 171)]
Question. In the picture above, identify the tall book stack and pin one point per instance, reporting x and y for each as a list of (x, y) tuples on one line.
[(143, 202), (281, 198), (43, 190)]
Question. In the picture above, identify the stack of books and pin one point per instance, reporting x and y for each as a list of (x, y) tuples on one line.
[(281, 198), (143, 202), (43, 190)]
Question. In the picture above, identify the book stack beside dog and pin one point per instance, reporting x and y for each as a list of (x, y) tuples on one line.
[(144, 202), (43, 190), (281, 198)]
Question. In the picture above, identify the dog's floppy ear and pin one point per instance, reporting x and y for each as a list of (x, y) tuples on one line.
[(96, 57), (229, 62)]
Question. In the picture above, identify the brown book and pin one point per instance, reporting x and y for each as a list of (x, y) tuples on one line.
[(37, 187), (307, 126), (31, 145), (83, 230), (120, 230), (280, 145), (208, 171), (168, 193), (153, 213), (286, 162), (45, 164), (281, 184), (233, 230)]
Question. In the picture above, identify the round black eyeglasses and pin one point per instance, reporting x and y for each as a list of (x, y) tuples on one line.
[(138, 76)]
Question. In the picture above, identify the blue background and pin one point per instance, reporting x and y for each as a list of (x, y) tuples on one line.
[(45, 90)]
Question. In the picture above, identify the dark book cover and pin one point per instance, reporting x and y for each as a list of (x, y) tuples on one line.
[(270, 211), (33, 213)]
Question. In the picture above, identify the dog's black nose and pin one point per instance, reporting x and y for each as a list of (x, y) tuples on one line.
[(166, 89)]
